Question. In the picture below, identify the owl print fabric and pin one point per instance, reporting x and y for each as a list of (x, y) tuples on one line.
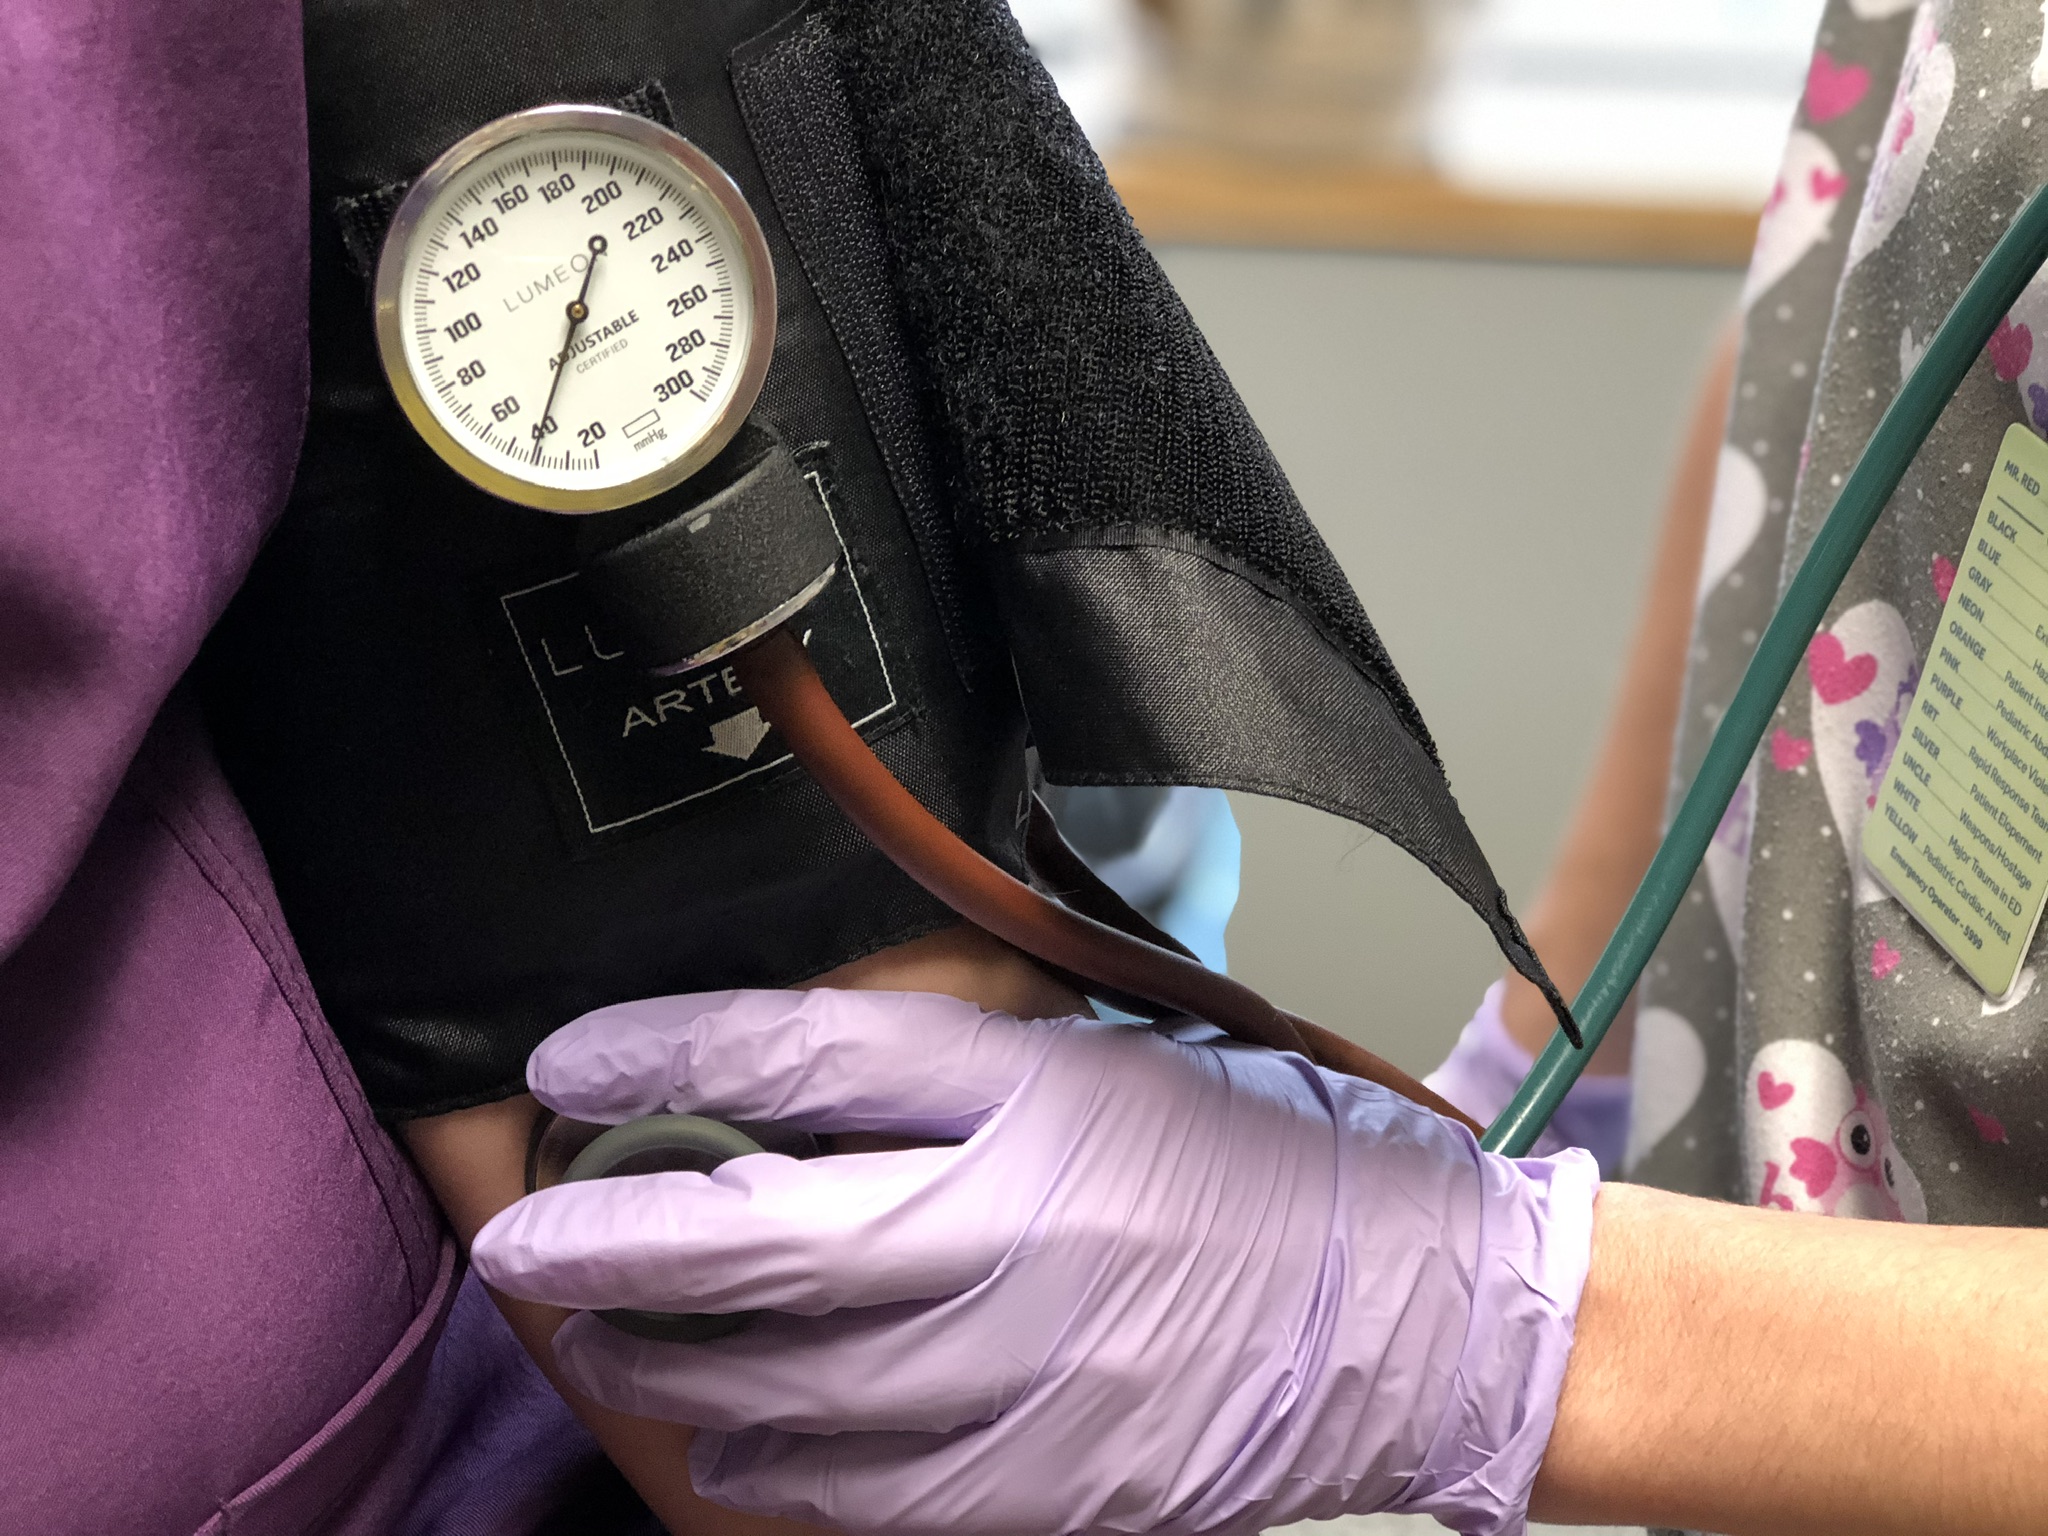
[(1803, 1045)]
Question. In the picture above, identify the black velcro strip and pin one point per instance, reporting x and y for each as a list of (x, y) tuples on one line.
[(789, 90)]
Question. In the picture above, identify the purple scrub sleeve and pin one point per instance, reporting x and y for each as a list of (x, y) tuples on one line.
[(221, 1283), (153, 263)]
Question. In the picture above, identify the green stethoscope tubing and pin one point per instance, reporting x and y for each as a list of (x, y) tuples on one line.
[(2013, 261)]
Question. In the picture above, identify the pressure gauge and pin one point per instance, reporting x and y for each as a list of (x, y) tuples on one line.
[(575, 308)]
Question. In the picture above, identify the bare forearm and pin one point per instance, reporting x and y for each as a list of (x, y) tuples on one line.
[(1757, 1373)]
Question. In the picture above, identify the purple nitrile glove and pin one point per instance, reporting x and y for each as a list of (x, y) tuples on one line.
[(1486, 1066), (1160, 1287)]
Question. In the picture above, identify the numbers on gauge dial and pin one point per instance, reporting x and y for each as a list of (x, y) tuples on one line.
[(567, 393)]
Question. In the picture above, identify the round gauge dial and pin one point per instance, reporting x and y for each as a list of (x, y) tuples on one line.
[(575, 307)]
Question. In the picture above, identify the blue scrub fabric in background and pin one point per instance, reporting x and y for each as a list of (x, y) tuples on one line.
[(1174, 854), (1201, 899)]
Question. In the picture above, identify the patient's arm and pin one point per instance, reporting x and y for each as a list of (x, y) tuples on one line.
[(475, 1162)]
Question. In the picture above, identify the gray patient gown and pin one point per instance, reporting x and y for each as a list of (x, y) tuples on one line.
[(1803, 1044)]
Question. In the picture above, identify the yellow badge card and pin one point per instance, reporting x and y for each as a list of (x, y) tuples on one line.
[(1959, 830)]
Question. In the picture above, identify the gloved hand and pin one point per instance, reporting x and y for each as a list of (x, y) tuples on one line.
[(1159, 1287), (1486, 1066)]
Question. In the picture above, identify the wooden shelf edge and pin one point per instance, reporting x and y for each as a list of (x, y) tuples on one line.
[(1181, 196)]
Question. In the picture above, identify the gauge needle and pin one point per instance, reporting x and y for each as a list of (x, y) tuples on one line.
[(579, 311)]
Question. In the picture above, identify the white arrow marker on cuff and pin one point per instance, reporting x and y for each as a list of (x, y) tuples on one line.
[(739, 735)]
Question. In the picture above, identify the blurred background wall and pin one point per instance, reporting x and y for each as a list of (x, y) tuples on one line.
[(1464, 260), (1484, 445)]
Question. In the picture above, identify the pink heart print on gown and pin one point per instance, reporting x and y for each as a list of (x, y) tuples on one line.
[(1813, 1140), (1831, 88), (1989, 1127), (1788, 752), (1942, 572), (1798, 215), (1927, 84), (1863, 672), (2010, 349), (2019, 353), (1837, 675)]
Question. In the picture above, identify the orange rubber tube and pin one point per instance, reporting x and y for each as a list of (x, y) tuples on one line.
[(778, 676)]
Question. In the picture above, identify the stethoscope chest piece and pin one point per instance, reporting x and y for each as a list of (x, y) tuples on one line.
[(567, 1151)]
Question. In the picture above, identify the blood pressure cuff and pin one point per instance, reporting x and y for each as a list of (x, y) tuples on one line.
[(1172, 614), (1054, 512)]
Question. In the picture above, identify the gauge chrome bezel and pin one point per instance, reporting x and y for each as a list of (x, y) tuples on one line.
[(693, 166)]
